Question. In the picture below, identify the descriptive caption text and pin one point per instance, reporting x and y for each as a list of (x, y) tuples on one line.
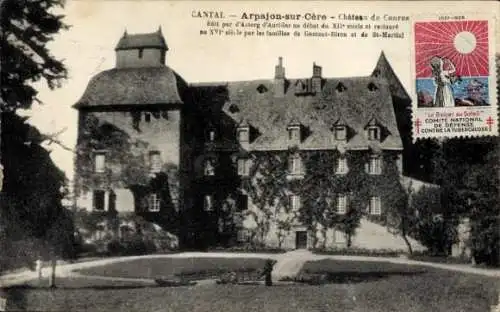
[(342, 25)]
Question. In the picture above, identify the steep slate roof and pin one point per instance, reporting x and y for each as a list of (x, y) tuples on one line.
[(133, 86), (356, 105), (384, 69), (148, 40)]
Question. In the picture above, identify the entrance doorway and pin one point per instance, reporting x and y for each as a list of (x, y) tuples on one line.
[(301, 240)]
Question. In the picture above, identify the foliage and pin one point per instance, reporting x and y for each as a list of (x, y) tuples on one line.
[(27, 28), (431, 229), (270, 184)]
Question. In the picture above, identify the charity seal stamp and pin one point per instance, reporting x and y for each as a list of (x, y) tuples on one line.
[(454, 72)]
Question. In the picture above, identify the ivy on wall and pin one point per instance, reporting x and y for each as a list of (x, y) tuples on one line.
[(269, 185)]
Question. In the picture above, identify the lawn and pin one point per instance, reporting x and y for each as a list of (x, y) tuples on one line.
[(348, 286), (194, 268), (397, 287)]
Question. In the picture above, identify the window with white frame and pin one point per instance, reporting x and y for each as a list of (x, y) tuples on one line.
[(153, 202), (341, 166), (243, 167), (243, 136), (208, 204), (340, 133), (294, 202), (375, 206), (294, 164), (294, 133), (341, 204), (99, 162), (340, 237), (373, 133), (209, 167), (154, 161), (375, 165)]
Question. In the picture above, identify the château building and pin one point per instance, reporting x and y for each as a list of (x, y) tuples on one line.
[(279, 162)]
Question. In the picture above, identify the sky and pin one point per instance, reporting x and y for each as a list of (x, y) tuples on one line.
[(96, 26)]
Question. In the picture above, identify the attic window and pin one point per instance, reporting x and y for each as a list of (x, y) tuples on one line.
[(340, 133), (233, 108), (376, 72), (373, 133), (261, 88), (340, 87), (372, 87)]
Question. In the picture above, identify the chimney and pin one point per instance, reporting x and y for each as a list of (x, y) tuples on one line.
[(279, 79), (316, 80)]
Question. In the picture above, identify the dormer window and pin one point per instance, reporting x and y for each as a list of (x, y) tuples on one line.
[(243, 135), (373, 133), (294, 133), (340, 133), (261, 88), (341, 165), (340, 87)]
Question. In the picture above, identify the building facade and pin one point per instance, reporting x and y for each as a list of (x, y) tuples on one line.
[(290, 163)]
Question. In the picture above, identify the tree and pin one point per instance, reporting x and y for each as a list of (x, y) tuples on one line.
[(30, 197)]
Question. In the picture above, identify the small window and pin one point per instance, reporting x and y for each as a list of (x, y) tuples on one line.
[(341, 167), (155, 161), (341, 204), (243, 167), (141, 51), (294, 164), (211, 135), (243, 236), (147, 117), (261, 88), (340, 133), (153, 203), (209, 167), (100, 162), (243, 136), (233, 108), (242, 202), (340, 237), (294, 133), (373, 134), (372, 87), (375, 165), (294, 202), (208, 204), (375, 207), (98, 201), (340, 87)]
